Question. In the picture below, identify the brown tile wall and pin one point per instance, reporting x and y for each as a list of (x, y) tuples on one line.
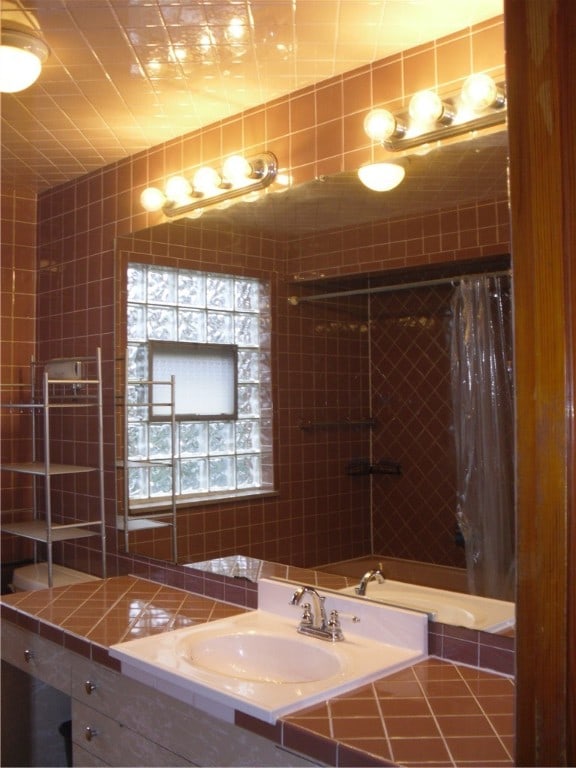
[(466, 233), (78, 224), (18, 345)]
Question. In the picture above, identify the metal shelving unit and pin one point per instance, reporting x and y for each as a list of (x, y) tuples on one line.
[(64, 384), (146, 394)]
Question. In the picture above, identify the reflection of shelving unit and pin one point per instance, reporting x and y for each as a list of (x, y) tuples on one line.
[(158, 397), (66, 385)]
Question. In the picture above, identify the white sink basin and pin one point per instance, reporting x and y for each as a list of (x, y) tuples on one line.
[(257, 663), (260, 657)]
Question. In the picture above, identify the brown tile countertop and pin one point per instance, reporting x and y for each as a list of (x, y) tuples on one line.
[(433, 714)]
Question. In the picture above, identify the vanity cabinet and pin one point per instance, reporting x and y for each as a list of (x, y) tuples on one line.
[(40, 658), (35, 699), (128, 723), (109, 742), (117, 721)]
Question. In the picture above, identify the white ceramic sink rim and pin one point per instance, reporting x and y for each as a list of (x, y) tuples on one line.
[(260, 656), (156, 661)]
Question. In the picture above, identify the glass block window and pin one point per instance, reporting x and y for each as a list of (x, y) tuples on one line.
[(211, 456)]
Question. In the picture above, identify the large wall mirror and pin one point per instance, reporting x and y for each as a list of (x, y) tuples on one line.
[(369, 451)]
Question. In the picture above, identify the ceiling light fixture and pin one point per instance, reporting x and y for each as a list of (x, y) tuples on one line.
[(21, 57), (480, 104), (239, 177), (381, 177)]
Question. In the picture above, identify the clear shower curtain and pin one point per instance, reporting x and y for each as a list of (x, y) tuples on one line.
[(481, 354)]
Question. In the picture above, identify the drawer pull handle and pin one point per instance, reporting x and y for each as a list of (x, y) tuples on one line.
[(90, 733), (89, 686), (28, 655)]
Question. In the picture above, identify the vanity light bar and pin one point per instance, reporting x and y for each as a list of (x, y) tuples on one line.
[(480, 104), (446, 132), (260, 172)]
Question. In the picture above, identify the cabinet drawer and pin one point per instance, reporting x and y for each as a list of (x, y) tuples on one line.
[(113, 743), (137, 707), (82, 758), (37, 656), (200, 738), (101, 688)]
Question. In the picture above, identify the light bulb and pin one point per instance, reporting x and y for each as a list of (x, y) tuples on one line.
[(480, 92), (427, 107), (178, 189), (206, 180), (236, 169), (152, 199), (236, 29), (381, 177), (380, 124)]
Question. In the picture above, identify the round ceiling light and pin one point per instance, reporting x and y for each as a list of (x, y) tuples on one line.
[(381, 177), (21, 59)]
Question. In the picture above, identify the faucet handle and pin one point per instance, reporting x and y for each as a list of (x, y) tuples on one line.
[(334, 627), (334, 619), (307, 618)]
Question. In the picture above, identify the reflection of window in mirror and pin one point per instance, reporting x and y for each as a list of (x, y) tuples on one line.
[(205, 377), (210, 332)]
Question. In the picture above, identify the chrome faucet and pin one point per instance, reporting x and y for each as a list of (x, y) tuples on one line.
[(375, 573), (314, 621)]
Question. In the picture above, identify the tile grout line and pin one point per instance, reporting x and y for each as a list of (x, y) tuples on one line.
[(105, 616), (383, 719), (146, 602), (477, 699), (441, 732)]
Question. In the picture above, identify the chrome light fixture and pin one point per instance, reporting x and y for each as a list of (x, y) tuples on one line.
[(239, 177), (22, 54), (480, 104)]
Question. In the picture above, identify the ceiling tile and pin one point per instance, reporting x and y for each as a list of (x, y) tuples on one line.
[(124, 75)]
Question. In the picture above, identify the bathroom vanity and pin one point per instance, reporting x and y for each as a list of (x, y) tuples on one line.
[(63, 638), (119, 721)]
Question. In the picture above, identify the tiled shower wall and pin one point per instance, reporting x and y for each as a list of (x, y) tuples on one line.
[(315, 516), (414, 513)]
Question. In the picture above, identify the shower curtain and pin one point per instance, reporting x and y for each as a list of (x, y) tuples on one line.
[(480, 358)]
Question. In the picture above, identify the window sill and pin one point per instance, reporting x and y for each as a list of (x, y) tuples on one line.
[(148, 507)]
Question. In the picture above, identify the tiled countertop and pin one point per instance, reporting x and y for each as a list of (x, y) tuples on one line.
[(435, 713)]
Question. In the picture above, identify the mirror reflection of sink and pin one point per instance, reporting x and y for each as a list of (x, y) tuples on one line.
[(455, 608), (267, 658)]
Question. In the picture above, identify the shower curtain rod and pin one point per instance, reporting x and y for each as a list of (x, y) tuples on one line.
[(295, 300)]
